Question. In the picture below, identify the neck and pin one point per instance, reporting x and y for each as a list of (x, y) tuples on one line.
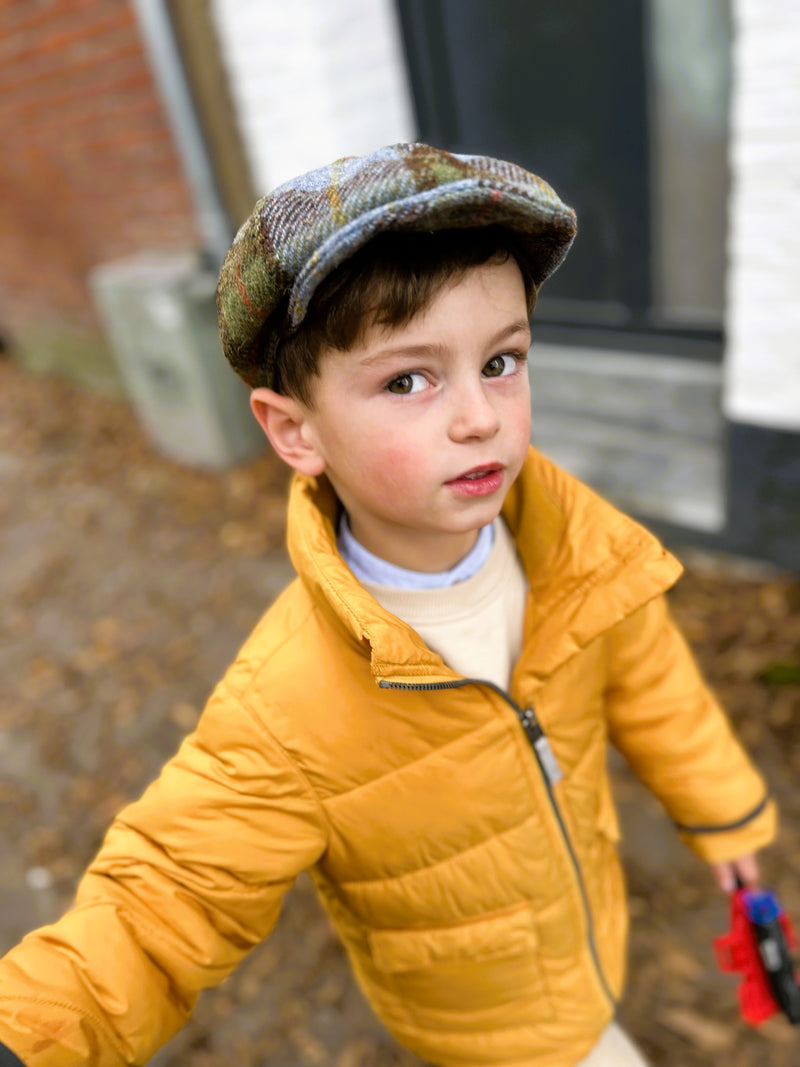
[(428, 553)]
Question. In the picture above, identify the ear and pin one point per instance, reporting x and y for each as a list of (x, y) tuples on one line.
[(285, 422)]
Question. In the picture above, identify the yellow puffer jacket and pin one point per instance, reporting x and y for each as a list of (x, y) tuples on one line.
[(462, 842)]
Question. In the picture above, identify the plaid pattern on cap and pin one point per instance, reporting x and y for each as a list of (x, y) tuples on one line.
[(304, 229)]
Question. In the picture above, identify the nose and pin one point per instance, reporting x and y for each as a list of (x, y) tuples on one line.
[(473, 416)]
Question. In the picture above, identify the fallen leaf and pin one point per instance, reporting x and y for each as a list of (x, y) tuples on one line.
[(704, 1033)]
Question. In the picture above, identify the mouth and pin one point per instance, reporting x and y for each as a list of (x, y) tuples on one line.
[(479, 481), (477, 472)]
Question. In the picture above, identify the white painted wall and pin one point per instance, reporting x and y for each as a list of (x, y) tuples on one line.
[(313, 80), (762, 369)]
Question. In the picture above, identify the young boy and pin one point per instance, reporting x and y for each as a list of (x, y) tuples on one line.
[(421, 718)]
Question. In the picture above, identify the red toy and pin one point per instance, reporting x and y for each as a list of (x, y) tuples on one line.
[(758, 946)]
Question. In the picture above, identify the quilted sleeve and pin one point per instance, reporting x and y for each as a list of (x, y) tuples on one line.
[(679, 742), (188, 879)]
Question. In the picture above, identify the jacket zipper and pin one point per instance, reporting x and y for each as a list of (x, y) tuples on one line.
[(551, 773)]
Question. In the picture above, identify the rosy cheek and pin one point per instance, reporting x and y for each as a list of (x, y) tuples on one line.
[(526, 429), (391, 467), (398, 457), (524, 422)]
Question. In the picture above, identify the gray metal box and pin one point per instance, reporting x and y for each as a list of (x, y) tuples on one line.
[(160, 316)]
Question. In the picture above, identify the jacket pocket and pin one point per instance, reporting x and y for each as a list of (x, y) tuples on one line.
[(475, 966), (480, 939)]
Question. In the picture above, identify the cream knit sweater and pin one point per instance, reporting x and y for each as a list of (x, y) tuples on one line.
[(475, 625)]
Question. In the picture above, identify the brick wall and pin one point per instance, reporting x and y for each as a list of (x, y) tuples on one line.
[(762, 365), (88, 173)]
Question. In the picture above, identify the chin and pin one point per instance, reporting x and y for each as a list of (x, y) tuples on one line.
[(481, 516)]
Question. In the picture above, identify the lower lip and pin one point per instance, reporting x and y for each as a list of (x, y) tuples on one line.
[(483, 486)]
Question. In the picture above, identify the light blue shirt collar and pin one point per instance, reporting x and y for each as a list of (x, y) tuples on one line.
[(368, 567)]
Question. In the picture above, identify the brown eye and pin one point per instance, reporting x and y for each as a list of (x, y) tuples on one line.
[(403, 384), (498, 366), (407, 383)]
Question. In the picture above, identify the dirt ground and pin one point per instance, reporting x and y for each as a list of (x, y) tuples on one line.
[(127, 584)]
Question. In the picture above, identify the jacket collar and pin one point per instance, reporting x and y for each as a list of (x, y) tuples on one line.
[(588, 565)]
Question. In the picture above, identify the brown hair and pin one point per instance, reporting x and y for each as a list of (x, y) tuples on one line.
[(387, 282)]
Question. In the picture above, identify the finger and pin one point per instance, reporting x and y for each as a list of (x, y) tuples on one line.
[(747, 869), (725, 877)]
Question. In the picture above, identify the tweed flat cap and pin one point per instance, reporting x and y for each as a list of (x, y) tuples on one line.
[(305, 228)]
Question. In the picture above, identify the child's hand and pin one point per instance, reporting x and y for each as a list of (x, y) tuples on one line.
[(745, 868)]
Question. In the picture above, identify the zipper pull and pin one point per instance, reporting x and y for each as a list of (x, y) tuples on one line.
[(538, 738)]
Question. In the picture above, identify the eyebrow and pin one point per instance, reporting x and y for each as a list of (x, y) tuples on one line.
[(518, 326)]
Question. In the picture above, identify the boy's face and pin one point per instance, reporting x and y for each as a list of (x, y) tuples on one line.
[(421, 429)]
